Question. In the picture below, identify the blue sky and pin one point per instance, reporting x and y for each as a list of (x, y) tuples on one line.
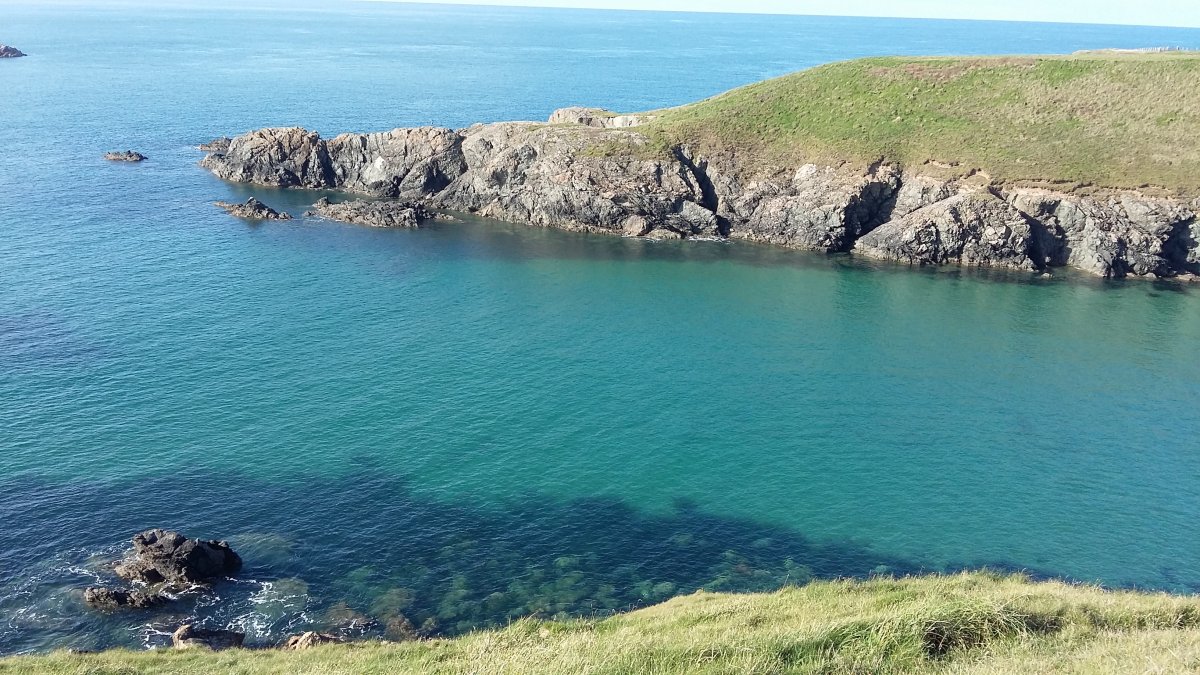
[(1146, 12)]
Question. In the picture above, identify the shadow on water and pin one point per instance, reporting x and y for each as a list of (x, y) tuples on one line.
[(367, 555)]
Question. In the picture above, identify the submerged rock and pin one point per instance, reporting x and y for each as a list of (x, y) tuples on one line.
[(7, 52), (116, 598), (125, 156), (252, 209), (161, 556), (189, 636), (309, 640), (373, 214)]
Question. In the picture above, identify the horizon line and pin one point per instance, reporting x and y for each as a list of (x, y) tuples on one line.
[(525, 4)]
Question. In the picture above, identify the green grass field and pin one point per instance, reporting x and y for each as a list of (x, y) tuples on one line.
[(970, 623), (1104, 120)]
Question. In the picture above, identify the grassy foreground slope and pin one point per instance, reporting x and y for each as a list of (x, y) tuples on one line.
[(1097, 119), (970, 623)]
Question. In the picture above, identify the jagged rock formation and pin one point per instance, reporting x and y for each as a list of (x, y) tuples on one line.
[(216, 145), (125, 156), (116, 598), (373, 214), (573, 174), (972, 228), (252, 209), (161, 556), (189, 636), (7, 52)]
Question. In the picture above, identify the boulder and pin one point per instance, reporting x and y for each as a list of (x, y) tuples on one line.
[(117, 598), (308, 640), (7, 52), (125, 156), (252, 209), (188, 636), (161, 556), (373, 213)]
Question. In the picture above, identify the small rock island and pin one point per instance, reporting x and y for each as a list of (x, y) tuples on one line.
[(252, 209), (7, 52), (125, 156)]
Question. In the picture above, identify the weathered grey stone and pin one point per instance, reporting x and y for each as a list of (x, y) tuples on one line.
[(189, 636), (252, 209), (597, 117), (820, 209), (308, 640), (373, 213), (970, 229), (279, 157), (7, 52), (125, 156), (118, 598)]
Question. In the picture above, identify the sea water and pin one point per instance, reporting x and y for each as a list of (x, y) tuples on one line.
[(478, 421)]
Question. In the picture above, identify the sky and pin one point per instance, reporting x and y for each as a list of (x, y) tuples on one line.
[(1140, 12)]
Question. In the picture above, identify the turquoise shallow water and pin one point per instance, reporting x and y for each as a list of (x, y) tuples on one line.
[(478, 421)]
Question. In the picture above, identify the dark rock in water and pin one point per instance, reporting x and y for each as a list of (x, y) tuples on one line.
[(308, 640), (216, 145), (160, 556), (188, 636), (116, 598), (125, 156), (252, 209), (7, 52), (374, 214)]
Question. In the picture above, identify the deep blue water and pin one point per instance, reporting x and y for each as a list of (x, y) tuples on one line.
[(479, 421)]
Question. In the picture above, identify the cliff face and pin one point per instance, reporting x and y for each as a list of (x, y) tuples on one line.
[(583, 173)]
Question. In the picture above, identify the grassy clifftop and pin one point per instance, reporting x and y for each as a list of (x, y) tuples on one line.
[(971, 623), (1097, 119)]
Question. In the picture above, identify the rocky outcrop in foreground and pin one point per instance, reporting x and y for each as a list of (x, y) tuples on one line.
[(372, 213), (189, 636), (162, 556), (7, 52), (582, 172), (162, 562), (252, 209), (125, 156)]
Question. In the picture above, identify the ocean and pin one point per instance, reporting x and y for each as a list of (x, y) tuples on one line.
[(479, 421)]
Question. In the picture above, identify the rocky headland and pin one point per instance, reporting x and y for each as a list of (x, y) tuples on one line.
[(7, 52), (664, 175)]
